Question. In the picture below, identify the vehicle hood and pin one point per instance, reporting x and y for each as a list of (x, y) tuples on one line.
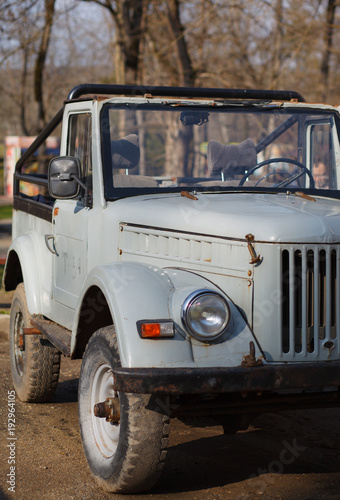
[(276, 217)]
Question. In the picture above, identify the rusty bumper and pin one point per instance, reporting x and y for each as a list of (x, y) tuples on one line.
[(268, 377)]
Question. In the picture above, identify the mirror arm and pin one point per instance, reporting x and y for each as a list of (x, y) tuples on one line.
[(87, 197)]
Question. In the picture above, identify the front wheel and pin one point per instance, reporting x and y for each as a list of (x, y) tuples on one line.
[(124, 435)]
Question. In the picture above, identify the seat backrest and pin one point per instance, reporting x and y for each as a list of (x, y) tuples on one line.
[(125, 152), (233, 159)]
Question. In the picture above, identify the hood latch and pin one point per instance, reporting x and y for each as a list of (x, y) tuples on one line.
[(254, 258)]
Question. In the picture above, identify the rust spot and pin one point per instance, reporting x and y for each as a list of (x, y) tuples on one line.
[(31, 331), (21, 343), (249, 360)]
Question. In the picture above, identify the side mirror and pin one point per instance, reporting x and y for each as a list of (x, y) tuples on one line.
[(63, 177)]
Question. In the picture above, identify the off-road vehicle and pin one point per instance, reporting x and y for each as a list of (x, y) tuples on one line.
[(186, 245)]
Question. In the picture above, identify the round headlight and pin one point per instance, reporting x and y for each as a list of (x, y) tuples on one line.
[(205, 314)]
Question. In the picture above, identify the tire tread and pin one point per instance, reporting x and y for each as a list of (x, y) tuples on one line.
[(42, 364), (147, 431)]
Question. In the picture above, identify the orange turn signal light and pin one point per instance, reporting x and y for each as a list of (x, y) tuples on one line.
[(150, 330), (155, 329)]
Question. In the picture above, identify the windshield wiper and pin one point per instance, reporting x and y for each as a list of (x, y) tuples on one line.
[(290, 179)]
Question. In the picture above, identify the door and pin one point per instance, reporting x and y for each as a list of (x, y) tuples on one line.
[(70, 220)]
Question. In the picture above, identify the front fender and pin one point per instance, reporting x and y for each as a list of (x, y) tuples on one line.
[(137, 292), (132, 292)]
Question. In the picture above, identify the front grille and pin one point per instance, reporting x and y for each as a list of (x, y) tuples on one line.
[(310, 301)]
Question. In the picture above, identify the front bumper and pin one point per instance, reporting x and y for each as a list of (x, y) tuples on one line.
[(270, 377)]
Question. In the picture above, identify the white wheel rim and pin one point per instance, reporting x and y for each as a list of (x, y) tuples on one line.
[(106, 434)]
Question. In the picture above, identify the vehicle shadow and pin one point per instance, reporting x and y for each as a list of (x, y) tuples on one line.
[(264, 449), (67, 391)]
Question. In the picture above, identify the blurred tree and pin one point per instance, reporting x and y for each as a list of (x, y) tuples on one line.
[(328, 42), (26, 38), (129, 19), (45, 49), (40, 61), (186, 76), (278, 44), (47, 46)]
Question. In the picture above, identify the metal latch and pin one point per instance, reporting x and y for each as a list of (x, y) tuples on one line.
[(250, 360), (254, 258)]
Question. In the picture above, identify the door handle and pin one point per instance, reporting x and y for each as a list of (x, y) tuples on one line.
[(47, 242)]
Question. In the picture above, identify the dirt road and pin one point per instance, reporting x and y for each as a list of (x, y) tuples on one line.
[(288, 456)]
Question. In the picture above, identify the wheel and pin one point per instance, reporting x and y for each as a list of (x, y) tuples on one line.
[(35, 363), (125, 444), (293, 177)]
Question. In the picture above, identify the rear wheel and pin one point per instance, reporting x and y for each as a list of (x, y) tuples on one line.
[(125, 443), (35, 363)]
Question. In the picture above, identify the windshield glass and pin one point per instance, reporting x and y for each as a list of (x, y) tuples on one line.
[(155, 147)]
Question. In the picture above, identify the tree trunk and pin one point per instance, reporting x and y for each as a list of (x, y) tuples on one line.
[(278, 46), (186, 72), (186, 79), (129, 19), (328, 41), (23, 100), (40, 63)]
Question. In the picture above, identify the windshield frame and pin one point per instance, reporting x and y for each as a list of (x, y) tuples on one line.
[(112, 193)]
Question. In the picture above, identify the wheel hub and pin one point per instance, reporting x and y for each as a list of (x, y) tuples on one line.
[(108, 409)]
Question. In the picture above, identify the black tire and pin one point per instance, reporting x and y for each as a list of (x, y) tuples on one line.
[(35, 363), (125, 457)]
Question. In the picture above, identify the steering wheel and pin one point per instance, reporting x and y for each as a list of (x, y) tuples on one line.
[(281, 172), (293, 177)]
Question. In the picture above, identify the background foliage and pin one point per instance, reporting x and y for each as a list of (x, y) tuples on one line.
[(49, 46)]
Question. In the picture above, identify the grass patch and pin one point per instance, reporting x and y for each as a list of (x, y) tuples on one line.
[(5, 212)]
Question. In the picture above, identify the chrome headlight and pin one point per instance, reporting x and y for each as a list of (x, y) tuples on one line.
[(205, 314)]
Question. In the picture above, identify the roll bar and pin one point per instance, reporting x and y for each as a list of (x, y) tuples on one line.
[(189, 92), (142, 90)]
